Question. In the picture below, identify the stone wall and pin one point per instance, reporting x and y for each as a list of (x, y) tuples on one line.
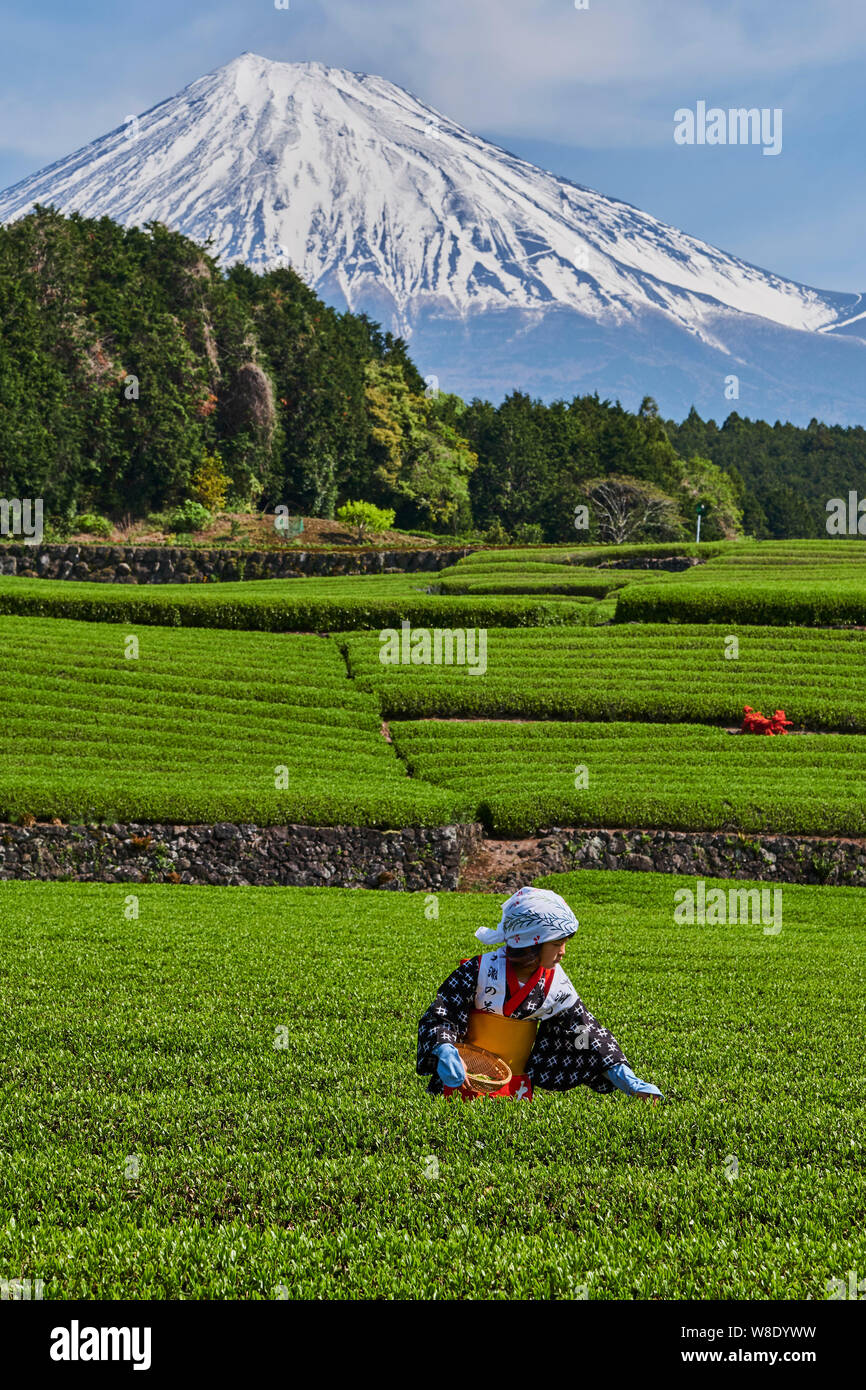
[(674, 564), (413, 859), (307, 856), (117, 564), (708, 854)]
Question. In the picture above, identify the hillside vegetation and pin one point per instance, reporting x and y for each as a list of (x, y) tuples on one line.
[(138, 379)]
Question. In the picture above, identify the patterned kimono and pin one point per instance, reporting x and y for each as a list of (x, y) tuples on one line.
[(571, 1047)]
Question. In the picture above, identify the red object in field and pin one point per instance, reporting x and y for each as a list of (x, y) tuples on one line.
[(518, 1088), (754, 722)]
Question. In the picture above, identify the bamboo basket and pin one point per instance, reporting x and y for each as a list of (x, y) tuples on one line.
[(496, 1073)]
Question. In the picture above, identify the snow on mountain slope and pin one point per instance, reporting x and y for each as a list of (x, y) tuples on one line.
[(383, 204), (356, 182)]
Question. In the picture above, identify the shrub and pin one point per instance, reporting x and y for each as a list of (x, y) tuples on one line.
[(366, 517), (195, 733), (729, 598), (57, 531), (521, 777), (276, 605), (210, 484), (659, 672), (496, 534), (92, 524), (255, 1155), (190, 516)]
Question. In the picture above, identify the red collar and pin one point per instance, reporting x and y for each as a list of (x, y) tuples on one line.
[(518, 992)]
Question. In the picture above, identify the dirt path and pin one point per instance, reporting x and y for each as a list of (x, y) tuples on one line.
[(502, 866)]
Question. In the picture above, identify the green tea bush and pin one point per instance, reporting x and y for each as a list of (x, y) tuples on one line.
[(284, 1143), (277, 605), (657, 672), (578, 584), (528, 777), (833, 603), (197, 727)]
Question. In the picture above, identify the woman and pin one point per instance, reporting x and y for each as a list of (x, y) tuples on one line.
[(518, 1002)]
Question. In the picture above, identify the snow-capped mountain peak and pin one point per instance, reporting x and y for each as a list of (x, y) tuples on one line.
[(382, 203), (356, 182)]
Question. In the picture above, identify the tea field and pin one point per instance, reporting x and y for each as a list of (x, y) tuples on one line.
[(521, 778), (283, 605), (807, 583), (655, 672), (195, 727), (217, 1099), (203, 726)]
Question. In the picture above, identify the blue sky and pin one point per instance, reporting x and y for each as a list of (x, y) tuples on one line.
[(590, 94)]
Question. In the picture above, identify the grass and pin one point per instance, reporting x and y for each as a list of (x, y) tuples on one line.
[(520, 778), (650, 672), (306, 1166), (194, 730)]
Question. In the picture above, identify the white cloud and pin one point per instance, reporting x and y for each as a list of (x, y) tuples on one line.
[(591, 76), (608, 77)]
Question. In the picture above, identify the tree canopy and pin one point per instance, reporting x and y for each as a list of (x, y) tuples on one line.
[(132, 368)]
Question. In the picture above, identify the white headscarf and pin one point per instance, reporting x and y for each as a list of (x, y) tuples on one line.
[(529, 917)]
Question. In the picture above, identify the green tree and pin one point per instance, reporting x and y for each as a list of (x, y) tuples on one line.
[(422, 462), (366, 517)]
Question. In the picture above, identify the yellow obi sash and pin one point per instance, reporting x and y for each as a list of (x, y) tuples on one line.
[(512, 1039)]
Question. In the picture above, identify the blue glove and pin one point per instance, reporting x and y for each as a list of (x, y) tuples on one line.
[(451, 1070), (624, 1079)]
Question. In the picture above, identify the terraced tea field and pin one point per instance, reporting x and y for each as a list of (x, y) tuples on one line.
[(280, 605), (808, 583), (199, 727), (748, 597), (654, 672), (521, 778), (578, 581), (590, 555), (227, 1081), (270, 729), (224, 1104)]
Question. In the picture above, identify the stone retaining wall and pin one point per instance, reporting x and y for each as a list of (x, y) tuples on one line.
[(117, 564), (413, 859), (308, 856), (672, 563), (710, 854)]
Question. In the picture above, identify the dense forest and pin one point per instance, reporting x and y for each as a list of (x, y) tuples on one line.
[(136, 374)]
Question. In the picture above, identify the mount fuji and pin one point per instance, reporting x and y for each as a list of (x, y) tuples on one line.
[(499, 274)]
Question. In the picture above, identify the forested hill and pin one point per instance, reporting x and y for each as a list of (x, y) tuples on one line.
[(127, 357), (789, 474), (129, 362)]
